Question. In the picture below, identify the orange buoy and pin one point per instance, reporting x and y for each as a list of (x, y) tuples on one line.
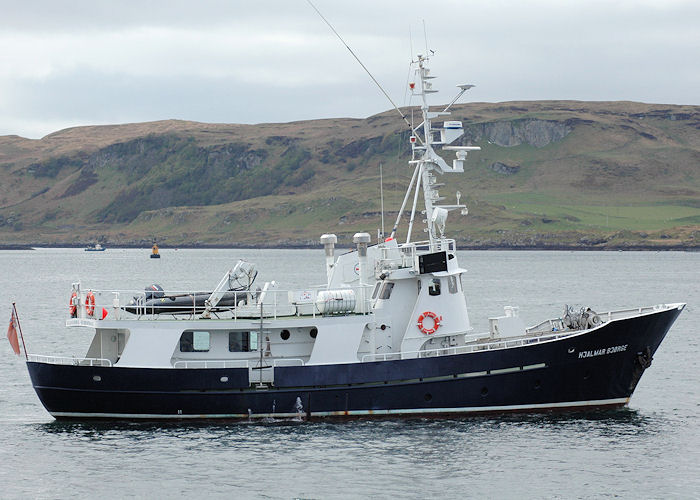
[(90, 304), (436, 322), (73, 305)]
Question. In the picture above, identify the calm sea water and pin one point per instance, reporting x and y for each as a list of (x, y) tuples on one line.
[(650, 450)]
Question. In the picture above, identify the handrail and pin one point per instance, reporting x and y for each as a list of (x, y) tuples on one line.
[(426, 245), (239, 304), (607, 316), (406, 258), (69, 360), (211, 363), (231, 363), (466, 349), (518, 342)]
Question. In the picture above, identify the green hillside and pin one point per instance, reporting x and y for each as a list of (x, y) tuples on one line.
[(555, 174)]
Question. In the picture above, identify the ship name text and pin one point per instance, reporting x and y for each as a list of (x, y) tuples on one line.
[(603, 351)]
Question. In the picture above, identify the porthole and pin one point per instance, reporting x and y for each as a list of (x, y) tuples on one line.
[(224, 379), (586, 375), (96, 378), (313, 333), (538, 384), (285, 334), (428, 396), (484, 391), (383, 327)]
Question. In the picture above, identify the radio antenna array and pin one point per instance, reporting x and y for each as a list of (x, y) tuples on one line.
[(363, 66)]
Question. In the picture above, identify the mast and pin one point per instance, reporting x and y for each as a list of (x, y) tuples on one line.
[(426, 88), (426, 160)]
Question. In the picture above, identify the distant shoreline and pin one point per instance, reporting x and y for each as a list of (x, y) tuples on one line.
[(634, 248)]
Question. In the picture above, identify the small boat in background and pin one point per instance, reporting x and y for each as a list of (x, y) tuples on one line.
[(154, 252), (95, 248)]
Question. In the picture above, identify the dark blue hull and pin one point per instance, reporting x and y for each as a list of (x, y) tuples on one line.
[(599, 368)]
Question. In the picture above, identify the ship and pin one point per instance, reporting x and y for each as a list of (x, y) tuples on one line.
[(387, 334), (95, 248)]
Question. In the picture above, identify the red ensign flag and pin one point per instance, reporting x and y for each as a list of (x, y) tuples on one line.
[(12, 333)]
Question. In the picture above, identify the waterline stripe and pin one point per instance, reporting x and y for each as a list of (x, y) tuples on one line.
[(353, 413), (387, 383)]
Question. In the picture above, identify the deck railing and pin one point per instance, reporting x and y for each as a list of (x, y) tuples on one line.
[(212, 363), (535, 335), (267, 302), (465, 349), (67, 360), (404, 256), (233, 363), (557, 324)]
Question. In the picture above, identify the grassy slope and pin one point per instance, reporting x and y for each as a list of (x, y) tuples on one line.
[(626, 174)]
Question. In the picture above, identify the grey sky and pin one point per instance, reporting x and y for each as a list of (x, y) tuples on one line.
[(78, 62)]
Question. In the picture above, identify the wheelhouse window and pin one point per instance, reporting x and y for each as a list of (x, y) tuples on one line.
[(194, 341), (376, 290), (386, 290), (452, 284), (242, 341), (434, 287)]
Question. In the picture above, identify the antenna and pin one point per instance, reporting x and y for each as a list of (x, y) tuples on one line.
[(363, 66), (410, 67), (425, 36), (381, 195), (405, 199)]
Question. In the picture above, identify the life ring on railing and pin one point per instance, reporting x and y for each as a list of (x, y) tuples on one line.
[(90, 303), (436, 322), (73, 305)]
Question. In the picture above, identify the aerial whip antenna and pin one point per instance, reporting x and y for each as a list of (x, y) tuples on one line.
[(381, 195), (363, 66)]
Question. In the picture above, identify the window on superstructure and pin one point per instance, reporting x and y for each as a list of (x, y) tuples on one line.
[(194, 341), (386, 291), (376, 290), (242, 341), (434, 287)]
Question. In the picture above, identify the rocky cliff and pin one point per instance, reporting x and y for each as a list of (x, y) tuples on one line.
[(550, 174)]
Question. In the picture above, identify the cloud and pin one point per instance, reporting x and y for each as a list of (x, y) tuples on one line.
[(80, 62)]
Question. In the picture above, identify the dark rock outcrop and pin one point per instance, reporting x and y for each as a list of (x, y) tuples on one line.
[(537, 133), (504, 169)]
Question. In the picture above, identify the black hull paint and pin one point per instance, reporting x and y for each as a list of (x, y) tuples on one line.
[(589, 369)]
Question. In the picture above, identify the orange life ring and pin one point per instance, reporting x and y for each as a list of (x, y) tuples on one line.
[(436, 322), (90, 303), (73, 304)]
